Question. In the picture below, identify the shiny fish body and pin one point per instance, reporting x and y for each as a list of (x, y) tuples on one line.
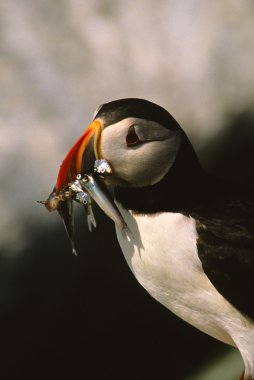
[(89, 215), (84, 198), (65, 210), (103, 199)]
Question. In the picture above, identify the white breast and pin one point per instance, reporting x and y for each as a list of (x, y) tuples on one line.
[(162, 254)]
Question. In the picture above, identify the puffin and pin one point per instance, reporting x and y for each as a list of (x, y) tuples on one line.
[(187, 236)]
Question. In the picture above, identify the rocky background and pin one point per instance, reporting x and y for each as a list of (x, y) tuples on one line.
[(87, 317)]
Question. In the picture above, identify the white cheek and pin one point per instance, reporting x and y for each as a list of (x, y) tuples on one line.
[(148, 163), (142, 165), (114, 149)]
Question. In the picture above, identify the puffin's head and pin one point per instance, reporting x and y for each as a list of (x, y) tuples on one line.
[(138, 138)]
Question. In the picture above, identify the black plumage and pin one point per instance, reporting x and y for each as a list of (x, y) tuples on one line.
[(117, 110), (226, 249)]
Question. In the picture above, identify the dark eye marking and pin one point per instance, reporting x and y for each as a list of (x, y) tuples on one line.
[(132, 137)]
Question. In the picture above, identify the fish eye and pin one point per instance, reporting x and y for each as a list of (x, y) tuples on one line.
[(132, 137)]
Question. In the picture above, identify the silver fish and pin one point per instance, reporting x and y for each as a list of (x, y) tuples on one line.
[(89, 215), (99, 193), (83, 190), (65, 210), (84, 198), (102, 167)]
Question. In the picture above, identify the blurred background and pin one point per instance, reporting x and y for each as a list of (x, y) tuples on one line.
[(86, 317)]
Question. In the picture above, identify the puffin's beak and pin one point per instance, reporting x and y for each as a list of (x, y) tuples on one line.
[(78, 180), (80, 159)]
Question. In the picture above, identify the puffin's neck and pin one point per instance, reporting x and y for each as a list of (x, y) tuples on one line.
[(180, 190)]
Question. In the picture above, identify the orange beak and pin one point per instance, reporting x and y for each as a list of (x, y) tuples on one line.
[(81, 157)]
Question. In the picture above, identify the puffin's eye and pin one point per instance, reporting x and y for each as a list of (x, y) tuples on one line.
[(132, 137)]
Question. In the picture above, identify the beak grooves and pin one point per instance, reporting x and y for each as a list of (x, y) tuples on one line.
[(72, 164), (94, 129)]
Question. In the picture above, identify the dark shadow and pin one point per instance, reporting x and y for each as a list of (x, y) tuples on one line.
[(87, 317), (230, 155)]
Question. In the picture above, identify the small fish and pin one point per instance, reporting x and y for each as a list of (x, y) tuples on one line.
[(89, 215), (100, 194), (52, 202), (65, 210), (83, 189), (82, 197), (62, 202), (102, 167)]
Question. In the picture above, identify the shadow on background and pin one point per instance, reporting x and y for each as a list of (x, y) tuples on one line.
[(230, 154), (66, 317)]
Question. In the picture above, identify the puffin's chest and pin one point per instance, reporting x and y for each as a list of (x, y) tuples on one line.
[(162, 254)]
